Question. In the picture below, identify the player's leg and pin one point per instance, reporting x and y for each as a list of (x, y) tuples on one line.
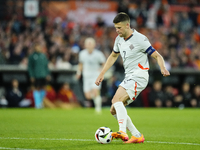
[(118, 107), (92, 95), (129, 125), (87, 91), (133, 91), (136, 137), (97, 99), (92, 92), (96, 94)]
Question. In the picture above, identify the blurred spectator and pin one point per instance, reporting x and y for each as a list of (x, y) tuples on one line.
[(169, 96), (186, 94), (66, 98), (2, 57), (113, 84), (74, 55), (195, 101), (142, 14), (24, 63), (63, 63), (123, 6), (3, 101), (184, 97), (193, 15), (15, 96), (50, 97), (52, 62), (156, 95), (29, 95), (39, 73), (173, 38), (185, 23), (100, 22)]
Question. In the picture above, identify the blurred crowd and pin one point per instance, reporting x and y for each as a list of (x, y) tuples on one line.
[(175, 35), (15, 96), (157, 95)]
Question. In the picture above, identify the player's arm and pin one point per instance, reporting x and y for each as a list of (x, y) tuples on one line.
[(109, 62), (102, 65), (161, 63), (79, 70)]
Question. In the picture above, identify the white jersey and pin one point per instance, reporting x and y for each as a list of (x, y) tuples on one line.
[(91, 62), (134, 52)]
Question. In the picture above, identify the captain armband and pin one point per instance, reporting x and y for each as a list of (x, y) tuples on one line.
[(150, 50)]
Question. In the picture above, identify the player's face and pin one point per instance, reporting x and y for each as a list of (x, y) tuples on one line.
[(90, 45), (121, 28)]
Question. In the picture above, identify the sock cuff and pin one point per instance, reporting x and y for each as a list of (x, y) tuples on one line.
[(117, 104), (97, 97)]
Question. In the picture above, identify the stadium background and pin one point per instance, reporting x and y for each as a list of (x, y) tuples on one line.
[(173, 28)]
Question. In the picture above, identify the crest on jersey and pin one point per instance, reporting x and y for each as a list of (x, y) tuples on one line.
[(131, 46)]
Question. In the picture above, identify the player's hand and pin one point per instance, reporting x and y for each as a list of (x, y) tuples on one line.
[(165, 72), (78, 76), (99, 79)]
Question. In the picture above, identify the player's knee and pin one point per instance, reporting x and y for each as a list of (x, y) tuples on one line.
[(114, 100), (87, 96), (112, 111)]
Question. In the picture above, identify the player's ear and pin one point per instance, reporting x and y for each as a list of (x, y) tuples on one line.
[(127, 25)]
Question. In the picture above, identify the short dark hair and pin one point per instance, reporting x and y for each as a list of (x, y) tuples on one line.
[(121, 17)]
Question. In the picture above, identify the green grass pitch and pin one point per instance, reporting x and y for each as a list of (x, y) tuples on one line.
[(58, 129)]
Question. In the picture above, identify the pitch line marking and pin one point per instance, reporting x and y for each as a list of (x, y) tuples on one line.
[(62, 139), (18, 148)]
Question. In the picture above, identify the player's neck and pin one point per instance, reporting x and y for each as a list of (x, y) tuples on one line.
[(90, 51), (129, 33)]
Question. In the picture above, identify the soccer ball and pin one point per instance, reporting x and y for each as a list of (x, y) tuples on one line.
[(103, 135)]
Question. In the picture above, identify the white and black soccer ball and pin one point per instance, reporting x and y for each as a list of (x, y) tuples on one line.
[(103, 135)]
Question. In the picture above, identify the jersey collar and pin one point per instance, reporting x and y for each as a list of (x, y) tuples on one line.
[(126, 39)]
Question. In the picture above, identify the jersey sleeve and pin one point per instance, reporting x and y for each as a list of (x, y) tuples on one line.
[(116, 48), (144, 43)]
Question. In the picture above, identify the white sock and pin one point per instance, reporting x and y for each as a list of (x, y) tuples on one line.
[(115, 116), (130, 126), (97, 103), (121, 115)]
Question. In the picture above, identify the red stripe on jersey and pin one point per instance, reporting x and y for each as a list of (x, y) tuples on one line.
[(141, 67)]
